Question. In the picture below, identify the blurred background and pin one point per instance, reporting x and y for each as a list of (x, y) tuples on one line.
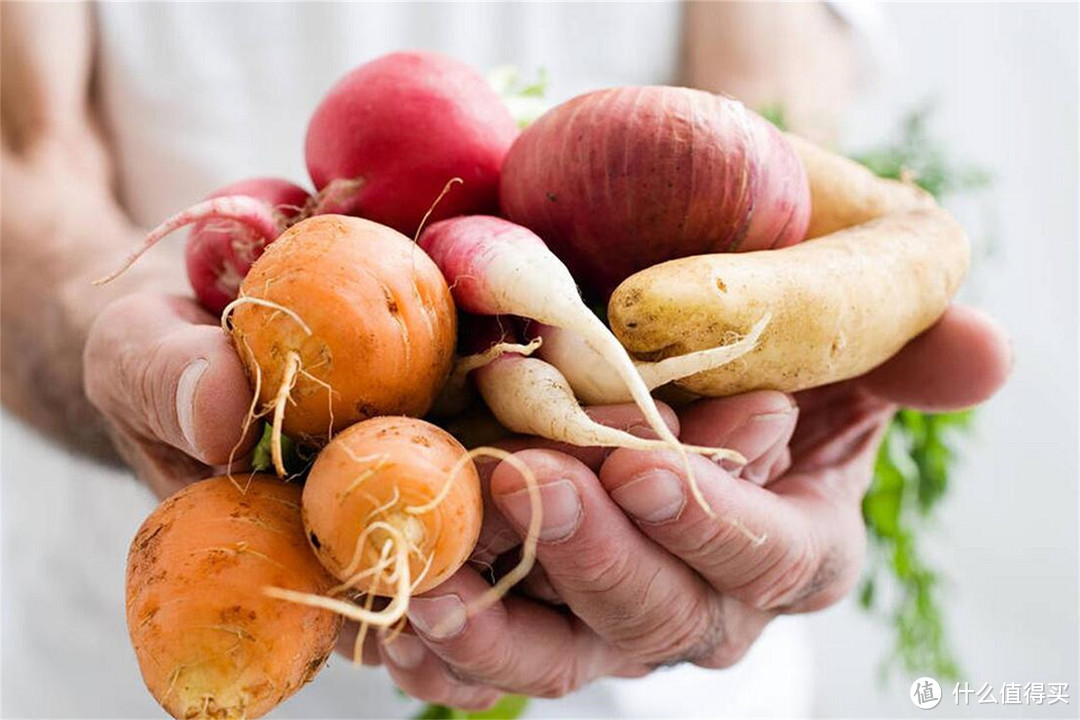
[(1002, 83)]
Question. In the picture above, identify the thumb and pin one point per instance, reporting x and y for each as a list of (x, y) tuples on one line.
[(961, 361), (152, 369)]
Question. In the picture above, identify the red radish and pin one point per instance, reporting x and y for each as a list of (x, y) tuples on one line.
[(495, 267), (391, 133), (221, 250), (619, 180), (231, 229)]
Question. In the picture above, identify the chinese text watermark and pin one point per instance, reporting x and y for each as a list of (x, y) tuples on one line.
[(925, 693)]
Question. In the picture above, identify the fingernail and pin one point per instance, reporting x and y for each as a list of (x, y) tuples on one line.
[(439, 617), (185, 398), (756, 435), (405, 651), (560, 509), (655, 496)]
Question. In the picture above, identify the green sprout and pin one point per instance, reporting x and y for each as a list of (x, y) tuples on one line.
[(262, 457), (508, 708)]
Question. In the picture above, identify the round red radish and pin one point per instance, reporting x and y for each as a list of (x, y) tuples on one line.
[(220, 250), (619, 180), (390, 134)]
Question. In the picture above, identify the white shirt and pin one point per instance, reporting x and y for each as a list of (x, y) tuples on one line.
[(198, 95)]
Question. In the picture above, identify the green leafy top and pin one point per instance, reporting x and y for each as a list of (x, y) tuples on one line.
[(911, 476), (262, 459), (912, 471), (916, 156)]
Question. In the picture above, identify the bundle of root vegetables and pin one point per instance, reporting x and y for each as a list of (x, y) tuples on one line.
[(448, 260)]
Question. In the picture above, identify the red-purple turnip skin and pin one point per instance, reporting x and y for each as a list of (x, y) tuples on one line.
[(394, 131), (619, 180), (221, 250)]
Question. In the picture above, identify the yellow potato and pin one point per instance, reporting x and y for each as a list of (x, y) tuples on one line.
[(839, 305), (843, 193)]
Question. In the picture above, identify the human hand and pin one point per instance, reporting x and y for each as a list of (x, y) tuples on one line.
[(171, 388), (646, 576)]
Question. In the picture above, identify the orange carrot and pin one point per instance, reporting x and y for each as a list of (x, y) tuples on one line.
[(343, 319), (209, 642), (387, 475), (393, 507)]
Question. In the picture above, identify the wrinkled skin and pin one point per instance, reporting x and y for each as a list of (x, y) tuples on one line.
[(647, 577)]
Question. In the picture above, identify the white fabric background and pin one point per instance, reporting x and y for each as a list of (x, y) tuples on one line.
[(1003, 78)]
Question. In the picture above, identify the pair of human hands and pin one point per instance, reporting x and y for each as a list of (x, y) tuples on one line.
[(632, 574)]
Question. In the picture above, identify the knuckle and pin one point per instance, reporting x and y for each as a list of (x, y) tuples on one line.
[(713, 543), (786, 579), (727, 653), (442, 688), (488, 663), (822, 578), (558, 680), (833, 579), (461, 675), (98, 370), (702, 630), (598, 570), (116, 370), (145, 387), (728, 642), (828, 590), (94, 387), (677, 629)]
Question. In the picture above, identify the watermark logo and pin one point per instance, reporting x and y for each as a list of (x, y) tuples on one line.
[(1012, 693), (925, 693)]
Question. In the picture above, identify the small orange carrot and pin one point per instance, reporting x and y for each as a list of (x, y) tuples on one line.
[(393, 507), (342, 319), (393, 479)]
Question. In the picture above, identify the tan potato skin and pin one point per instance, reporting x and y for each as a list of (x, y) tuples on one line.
[(843, 193), (387, 453), (840, 305), (382, 320), (210, 644)]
